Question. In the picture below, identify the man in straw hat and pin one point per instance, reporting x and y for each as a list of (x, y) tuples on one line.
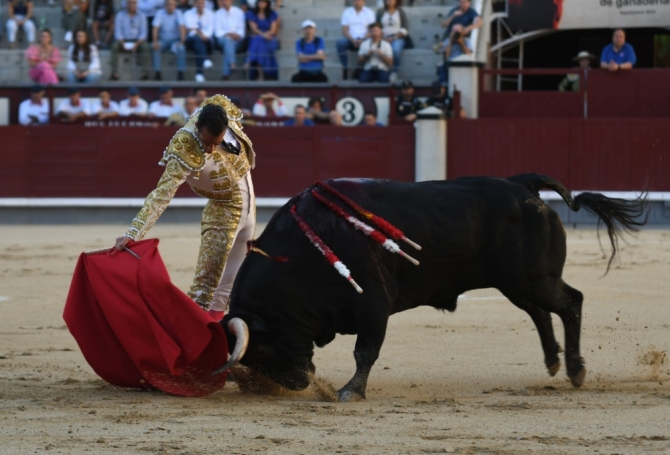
[(215, 157), (571, 81)]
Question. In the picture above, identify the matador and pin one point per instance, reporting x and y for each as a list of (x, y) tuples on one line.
[(215, 157)]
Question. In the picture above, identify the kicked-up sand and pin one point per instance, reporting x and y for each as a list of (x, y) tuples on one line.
[(471, 382)]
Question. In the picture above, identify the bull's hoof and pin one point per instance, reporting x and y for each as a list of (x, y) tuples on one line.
[(578, 379), (347, 396), (553, 369)]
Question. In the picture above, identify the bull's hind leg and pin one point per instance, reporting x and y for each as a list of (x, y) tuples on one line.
[(545, 329), (553, 295)]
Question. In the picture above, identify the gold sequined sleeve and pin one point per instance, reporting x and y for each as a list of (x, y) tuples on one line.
[(155, 204)]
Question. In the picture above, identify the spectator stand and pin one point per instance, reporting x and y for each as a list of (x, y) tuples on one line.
[(418, 64), (350, 100)]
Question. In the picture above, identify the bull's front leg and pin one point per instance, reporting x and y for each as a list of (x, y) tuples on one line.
[(366, 352)]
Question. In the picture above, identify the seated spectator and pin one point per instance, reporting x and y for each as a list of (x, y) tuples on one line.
[(370, 119), (165, 107), (34, 111), (190, 106), (149, 8), (376, 56), (395, 28), (310, 51), (269, 105), (407, 104), (619, 55), (440, 98), (183, 5), (43, 59), (83, 64), (73, 108), (319, 115), (355, 22), (200, 95), (133, 105), (74, 17), (264, 25), (130, 31), (459, 24), (570, 82), (251, 4), (299, 117), (169, 34), (20, 14), (229, 31), (104, 107), (103, 19), (199, 23)]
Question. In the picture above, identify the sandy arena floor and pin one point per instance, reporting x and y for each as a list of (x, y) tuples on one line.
[(469, 382)]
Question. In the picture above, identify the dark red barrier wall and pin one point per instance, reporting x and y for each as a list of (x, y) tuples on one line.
[(76, 161), (606, 155), (638, 93)]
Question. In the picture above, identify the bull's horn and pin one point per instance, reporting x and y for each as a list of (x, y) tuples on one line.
[(239, 328)]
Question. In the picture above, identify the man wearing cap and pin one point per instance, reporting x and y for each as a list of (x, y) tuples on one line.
[(407, 104), (164, 107), (355, 22), (133, 105), (34, 111), (73, 108), (310, 51), (571, 81), (214, 156), (269, 105), (229, 30)]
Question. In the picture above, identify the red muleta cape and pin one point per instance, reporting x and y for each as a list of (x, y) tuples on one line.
[(136, 329)]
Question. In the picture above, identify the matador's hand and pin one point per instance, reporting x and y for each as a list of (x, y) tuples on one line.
[(121, 243)]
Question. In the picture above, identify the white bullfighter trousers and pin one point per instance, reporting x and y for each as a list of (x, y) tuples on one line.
[(244, 233)]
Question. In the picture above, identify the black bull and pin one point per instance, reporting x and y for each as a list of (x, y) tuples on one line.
[(475, 232)]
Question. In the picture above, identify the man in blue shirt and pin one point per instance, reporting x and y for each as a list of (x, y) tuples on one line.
[(131, 33), (310, 52), (299, 117), (460, 22), (619, 55), (169, 34)]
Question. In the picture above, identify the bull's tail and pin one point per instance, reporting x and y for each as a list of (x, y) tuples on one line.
[(619, 215)]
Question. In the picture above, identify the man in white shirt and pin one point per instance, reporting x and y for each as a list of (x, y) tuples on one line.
[(376, 56), (229, 29), (133, 105), (164, 107), (169, 34), (269, 105), (34, 111), (104, 107), (355, 22), (190, 106), (73, 108), (199, 23)]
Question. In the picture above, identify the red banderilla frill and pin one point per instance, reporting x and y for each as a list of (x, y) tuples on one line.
[(323, 248), (378, 221), (371, 232)]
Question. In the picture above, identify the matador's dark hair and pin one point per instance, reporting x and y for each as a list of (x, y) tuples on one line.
[(214, 118)]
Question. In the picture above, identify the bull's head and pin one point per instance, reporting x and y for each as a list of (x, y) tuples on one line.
[(256, 347)]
